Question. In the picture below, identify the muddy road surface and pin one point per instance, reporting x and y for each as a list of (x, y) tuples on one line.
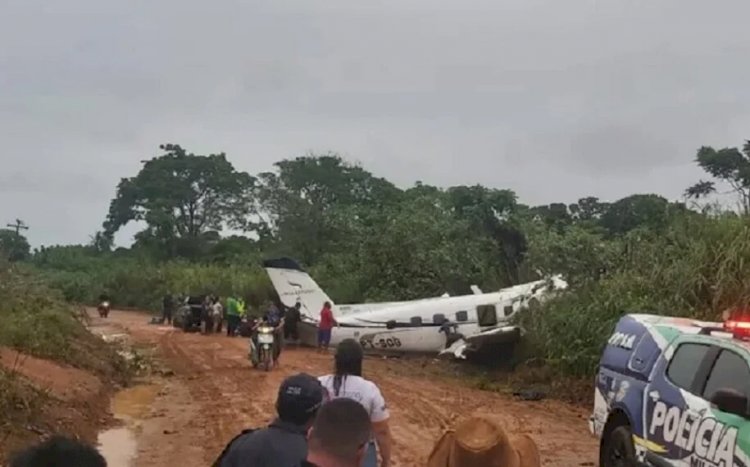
[(211, 392)]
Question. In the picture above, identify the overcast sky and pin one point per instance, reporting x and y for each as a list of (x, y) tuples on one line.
[(554, 99)]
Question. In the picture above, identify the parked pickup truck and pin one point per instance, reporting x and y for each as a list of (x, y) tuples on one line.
[(674, 392)]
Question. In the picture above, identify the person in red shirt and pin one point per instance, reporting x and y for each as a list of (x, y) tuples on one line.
[(324, 327)]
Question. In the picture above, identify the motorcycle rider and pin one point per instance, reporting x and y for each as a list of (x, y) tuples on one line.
[(104, 305), (275, 319), (257, 323)]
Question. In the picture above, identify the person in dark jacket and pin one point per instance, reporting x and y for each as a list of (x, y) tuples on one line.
[(167, 308), (291, 319), (283, 443)]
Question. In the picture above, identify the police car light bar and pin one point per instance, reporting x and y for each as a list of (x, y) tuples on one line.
[(739, 329)]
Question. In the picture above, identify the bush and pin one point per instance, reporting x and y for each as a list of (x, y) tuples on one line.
[(698, 268), (38, 321), (140, 283)]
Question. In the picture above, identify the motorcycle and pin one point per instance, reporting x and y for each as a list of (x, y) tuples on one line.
[(103, 309), (262, 355)]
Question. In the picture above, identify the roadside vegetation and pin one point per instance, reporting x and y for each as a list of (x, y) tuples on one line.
[(37, 321), (364, 239)]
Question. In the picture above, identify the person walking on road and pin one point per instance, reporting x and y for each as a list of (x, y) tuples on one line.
[(325, 326), (339, 435), (347, 381), (283, 443)]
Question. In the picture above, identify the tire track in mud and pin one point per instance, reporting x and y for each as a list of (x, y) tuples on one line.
[(214, 393)]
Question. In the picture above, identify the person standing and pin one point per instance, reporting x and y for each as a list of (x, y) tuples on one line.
[(217, 315), (291, 320), (347, 381), (233, 316), (206, 321), (325, 326), (167, 308)]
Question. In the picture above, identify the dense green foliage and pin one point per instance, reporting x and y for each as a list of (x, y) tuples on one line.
[(38, 321), (364, 239), (14, 246)]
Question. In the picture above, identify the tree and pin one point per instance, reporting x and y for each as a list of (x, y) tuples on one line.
[(420, 249), (304, 202), (14, 245), (181, 195), (489, 211), (729, 165), (555, 215), (647, 210), (588, 209)]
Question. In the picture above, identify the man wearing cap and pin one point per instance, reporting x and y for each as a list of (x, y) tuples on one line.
[(283, 443)]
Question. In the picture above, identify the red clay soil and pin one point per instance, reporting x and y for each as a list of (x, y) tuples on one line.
[(214, 393), (61, 382), (48, 398)]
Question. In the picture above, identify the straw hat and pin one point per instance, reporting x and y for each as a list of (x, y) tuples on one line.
[(480, 442)]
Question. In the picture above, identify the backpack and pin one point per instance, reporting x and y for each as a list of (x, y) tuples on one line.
[(217, 462)]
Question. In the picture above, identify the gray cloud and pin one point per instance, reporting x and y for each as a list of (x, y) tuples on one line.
[(556, 100)]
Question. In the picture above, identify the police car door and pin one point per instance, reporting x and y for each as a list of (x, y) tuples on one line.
[(669, 401), (722, 435)]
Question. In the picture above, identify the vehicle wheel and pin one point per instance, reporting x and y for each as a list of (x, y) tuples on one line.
[(618, 450), (266, 361)]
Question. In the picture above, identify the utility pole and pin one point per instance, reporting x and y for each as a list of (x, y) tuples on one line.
[(18, 226)]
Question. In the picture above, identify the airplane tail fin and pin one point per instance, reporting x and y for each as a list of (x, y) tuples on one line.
[(294, 285)]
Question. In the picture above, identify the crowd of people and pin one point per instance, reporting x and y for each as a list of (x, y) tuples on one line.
[(241, 320), (335, 420)]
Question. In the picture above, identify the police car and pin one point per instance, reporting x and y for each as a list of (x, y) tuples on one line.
[(674, 392)]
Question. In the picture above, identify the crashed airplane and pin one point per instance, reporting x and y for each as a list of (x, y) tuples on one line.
[(455, 326)]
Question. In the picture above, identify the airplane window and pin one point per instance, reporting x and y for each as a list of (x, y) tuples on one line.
[(508, 310), (416, 320), (462, 316), (438, 318), (487, 315)]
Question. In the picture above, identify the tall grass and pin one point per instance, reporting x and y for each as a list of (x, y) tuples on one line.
[(697, 268), (142, 284), (38, 321)]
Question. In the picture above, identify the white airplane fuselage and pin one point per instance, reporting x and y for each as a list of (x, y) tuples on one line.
[(412, 326)]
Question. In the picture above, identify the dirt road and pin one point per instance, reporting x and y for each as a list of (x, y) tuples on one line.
[(213, 393)]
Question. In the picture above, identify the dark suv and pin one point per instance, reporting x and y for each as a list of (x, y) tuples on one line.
[(189, 313)]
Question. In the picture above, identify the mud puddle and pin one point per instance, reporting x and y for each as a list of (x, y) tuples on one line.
[(130, 407)]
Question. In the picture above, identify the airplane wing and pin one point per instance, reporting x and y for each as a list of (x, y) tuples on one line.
[(499, 334)]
